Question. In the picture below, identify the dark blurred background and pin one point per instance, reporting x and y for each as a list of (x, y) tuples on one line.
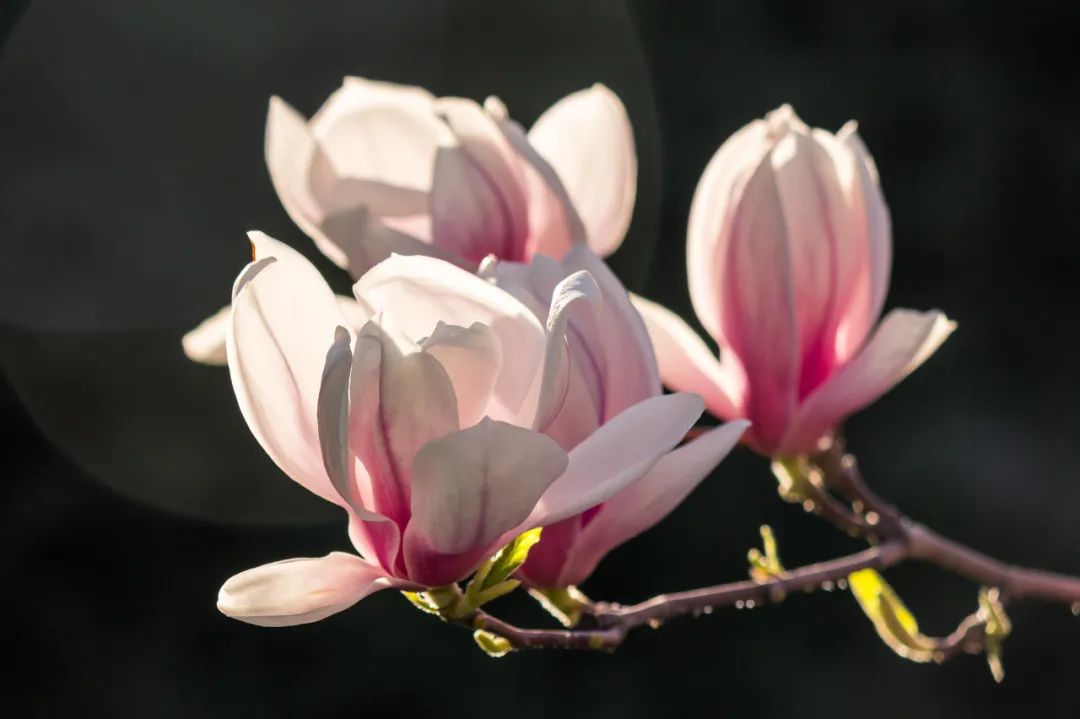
[(131, 146)]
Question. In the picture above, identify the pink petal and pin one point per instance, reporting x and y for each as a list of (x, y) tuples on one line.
[(870, 216), (759, 320), (376, 536), (472, 357), (587, 138), (301, 591), (611, 364), (469, 489), (478, 199), (417, 291), (332, 413), (578, 289), (814, 175), (554, 224), (630, 371), (572, 399), (400, 400), (687, 364), (650, 499), (547, 561), (616, 455), (903, 341), (708, 234), (284, 319), (529, 282)]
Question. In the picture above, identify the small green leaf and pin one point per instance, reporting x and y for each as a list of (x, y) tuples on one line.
[(492, 593), (492, 644), (894, 623), (420, 601), (510, 558), (566, 604), (492, 578), (764, 566), (479, 577)]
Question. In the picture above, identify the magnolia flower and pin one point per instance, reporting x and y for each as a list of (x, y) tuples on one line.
[(416, 409), (611, 368), (384, 168), (788, 255)]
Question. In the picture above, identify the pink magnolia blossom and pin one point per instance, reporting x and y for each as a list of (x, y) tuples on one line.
[(788, 255), (384, 168), (417, 409), (387, 168), (611, 368)]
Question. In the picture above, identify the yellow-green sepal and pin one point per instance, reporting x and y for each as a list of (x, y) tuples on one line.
[(895, 624)]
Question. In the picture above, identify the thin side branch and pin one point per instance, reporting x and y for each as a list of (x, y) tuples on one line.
[(842, 473), (605, 639), (615, 621), (841, 496), (1014, 582), (806, 579)]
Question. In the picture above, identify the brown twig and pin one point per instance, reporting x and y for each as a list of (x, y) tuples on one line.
[(605, 639), (896, 539), (841, 473), (614, 621), (969, 637)]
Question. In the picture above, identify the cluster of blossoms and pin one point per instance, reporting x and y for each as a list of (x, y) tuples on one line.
[(491, 376)]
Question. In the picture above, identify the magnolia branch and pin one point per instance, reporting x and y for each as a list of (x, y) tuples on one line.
[(838, 492), (841, 473), (614, 621)]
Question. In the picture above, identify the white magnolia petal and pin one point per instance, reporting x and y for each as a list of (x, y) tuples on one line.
[(206, 343), (355, 314), (290, 151), (469, 216), (400, 400), (621, 338), (471, 487), (333, 416), (479, 204), (472, 356), (418, 291), (380, 131), (616, 455), (649, 500), (554, 224), (575, 288), (301, 591), (370, 148), (587, 138), (284, 319), (366, 240)]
